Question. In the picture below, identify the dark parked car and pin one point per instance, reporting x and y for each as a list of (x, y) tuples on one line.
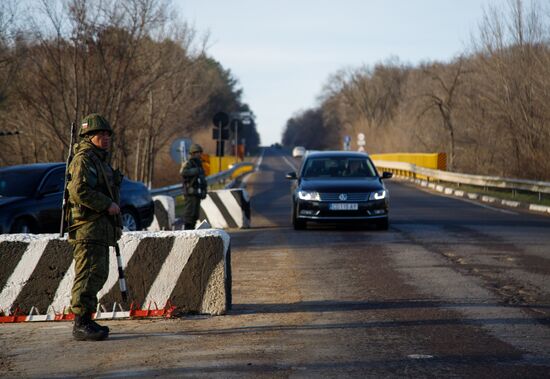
[(339, 186), (31, 198)]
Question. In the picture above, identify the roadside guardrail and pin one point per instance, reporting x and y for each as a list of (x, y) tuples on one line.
[(414, 171), (236, 170)]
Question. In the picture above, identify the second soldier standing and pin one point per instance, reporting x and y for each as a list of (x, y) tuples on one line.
[(194, 186)]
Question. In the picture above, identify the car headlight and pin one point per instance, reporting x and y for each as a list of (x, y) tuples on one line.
[(378, 195), (309, 195)]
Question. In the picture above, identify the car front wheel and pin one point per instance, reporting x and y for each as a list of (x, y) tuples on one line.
[(296, 222), (129, 220), (383, 224), (21, 226)]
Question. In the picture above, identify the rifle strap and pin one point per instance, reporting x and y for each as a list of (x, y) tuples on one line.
[(107, 184)]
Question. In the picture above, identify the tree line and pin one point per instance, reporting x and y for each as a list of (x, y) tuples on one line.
[(488, 108), (133, 61)]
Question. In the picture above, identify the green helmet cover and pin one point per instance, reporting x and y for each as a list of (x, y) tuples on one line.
[(94, 123), (195, 148)]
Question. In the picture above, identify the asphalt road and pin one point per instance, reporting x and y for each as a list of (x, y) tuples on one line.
[(454, 288)]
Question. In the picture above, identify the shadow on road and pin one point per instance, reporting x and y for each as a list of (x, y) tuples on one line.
[(339, 306)]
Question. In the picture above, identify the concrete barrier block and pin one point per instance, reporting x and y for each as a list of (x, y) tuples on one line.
[(510, 203), (189, 269), (229, 208), (165, 213), (539, 208)]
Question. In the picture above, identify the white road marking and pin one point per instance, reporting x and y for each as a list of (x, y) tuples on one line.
[(472, 202), (260, 160), (489, 207)]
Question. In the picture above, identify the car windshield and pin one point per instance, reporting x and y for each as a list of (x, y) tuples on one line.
[(19, 183), (338, 167)]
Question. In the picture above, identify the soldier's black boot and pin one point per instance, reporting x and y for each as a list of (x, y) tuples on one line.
[(84, 330), (95, 324), (188, 227)]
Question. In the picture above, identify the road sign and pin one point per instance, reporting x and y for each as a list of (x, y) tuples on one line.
[(220, 119), (347, 143), (179, 149), (361, 140)]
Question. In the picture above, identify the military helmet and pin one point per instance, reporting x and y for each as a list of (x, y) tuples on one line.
[(94, 123), (195, 148)]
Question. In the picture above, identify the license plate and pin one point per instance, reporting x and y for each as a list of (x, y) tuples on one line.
[(343, 206)]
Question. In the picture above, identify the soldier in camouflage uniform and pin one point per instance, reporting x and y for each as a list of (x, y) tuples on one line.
[(194, 187), (94, 221)]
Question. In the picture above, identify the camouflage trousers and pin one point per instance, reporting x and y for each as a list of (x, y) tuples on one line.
[(91, 271), (191, 209)]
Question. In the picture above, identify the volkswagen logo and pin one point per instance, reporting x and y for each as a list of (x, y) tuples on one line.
[(343, 197)]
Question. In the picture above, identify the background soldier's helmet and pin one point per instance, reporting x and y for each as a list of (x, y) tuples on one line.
[(94, 123), (195, 149)]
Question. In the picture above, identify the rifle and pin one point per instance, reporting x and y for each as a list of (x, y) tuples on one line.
[(65, 204)]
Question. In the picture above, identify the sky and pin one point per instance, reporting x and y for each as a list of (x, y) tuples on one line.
[(282, 52)]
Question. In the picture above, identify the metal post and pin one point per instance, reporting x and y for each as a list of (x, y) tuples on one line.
[(236, 142), (219, 147)]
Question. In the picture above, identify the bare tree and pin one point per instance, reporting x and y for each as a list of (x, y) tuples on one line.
[(440, 94), (513, 56)]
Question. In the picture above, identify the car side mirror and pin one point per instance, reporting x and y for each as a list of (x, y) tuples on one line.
[(387, 175), (291, 176)]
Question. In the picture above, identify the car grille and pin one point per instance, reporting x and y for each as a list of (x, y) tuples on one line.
[(351, 196)]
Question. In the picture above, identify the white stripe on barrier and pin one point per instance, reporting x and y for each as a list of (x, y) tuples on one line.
[(63, 294), (165, 282), (22, 273), (231, 204), (215, 217)]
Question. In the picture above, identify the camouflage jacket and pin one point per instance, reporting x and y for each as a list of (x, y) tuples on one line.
[(194, 180), (92, 182)]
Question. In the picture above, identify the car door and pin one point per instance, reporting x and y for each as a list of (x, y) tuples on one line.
[(50, 197)]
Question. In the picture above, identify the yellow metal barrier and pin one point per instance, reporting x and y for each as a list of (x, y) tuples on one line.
[(226, 162), (238, 172), (437, 161), (215, 166)]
